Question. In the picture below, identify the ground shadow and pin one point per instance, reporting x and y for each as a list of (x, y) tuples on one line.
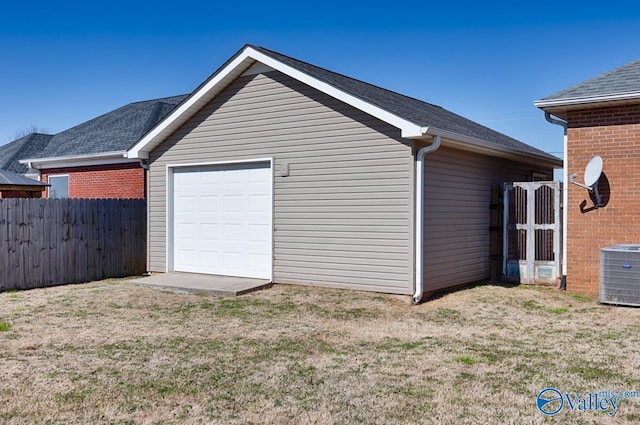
[(440, 293)]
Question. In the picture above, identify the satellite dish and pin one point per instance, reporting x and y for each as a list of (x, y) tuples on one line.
[(592, 174), (593, 171)]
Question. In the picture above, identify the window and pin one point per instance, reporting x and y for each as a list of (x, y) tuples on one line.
[(59, 186)]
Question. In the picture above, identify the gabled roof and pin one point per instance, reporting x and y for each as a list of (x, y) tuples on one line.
[(24, 147), (421, 113), (7, 178), (414, 118), (111, 133), (621, 84)]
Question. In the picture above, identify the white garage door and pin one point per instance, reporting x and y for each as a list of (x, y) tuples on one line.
[(222, 220)]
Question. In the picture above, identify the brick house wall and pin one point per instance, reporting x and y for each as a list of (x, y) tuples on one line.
[(102, 181), (613, 134)]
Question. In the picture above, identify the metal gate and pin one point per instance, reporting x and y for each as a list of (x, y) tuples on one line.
[(531, 236)]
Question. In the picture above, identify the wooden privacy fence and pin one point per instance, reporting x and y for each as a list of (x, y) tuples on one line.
[(47, 242)]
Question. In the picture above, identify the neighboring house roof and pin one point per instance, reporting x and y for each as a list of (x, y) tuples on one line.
[(108, 135), (620, 85), (7, 178), (416, 119), (24, 147), (114, 131)]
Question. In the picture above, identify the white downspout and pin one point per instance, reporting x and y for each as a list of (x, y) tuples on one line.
[(419, 225), (565, 195)]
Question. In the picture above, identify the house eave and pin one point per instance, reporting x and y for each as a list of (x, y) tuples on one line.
[(105, 158), (559, 107), (570, 101), (476, 145)]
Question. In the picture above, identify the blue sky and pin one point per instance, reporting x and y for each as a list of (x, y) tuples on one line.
[(63, 63)]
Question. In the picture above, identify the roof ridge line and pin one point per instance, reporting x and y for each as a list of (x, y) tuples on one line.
[(346, 76)]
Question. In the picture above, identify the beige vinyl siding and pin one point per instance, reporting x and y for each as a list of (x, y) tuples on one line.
[(457, 216), (343, 216)]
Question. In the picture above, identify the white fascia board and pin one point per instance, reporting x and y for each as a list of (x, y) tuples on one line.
[(585, 100), (78, 160), (407, 128), (474, 144), (236, 68), (192, 104)]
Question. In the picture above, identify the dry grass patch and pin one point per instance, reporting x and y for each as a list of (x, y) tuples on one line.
[(113, 353)]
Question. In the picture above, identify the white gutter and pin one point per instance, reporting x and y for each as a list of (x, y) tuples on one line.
[(584, 100), (474, 144), (565, 195), (419, 225), (78, 160)]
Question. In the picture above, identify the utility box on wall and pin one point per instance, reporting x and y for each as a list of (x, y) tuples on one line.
[(620, 275)]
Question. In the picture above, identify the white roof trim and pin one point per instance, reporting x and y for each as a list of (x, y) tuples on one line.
[(235, 68), (78, 160), (584, 100), (490, 148), (408, 128)]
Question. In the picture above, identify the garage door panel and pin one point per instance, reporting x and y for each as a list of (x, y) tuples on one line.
[(234, 259), (258, 262), (184, 202), (259, 202), (260, 174), (187, 179), (187, 230), (209, 232), (208, 260), (210, 179), (259, 233), (210, 203), (234, 203), (186, 256), (222, 220), (233, 232)]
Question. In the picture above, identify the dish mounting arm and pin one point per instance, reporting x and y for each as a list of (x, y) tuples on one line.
[(593, 189)]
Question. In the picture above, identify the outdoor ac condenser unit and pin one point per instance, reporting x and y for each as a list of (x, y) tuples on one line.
[(620, 275)]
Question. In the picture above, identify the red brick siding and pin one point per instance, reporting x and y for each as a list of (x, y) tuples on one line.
[(102, 181), (613, 134)]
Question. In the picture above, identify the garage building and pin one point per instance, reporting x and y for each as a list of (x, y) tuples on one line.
[(275, 168)]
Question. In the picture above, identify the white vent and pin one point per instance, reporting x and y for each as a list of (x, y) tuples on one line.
[(620, 275)]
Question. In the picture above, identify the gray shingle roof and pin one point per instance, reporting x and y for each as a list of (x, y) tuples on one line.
[(414, 110), (622, 80), (112, 132), (12, 179), (25, 147)]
